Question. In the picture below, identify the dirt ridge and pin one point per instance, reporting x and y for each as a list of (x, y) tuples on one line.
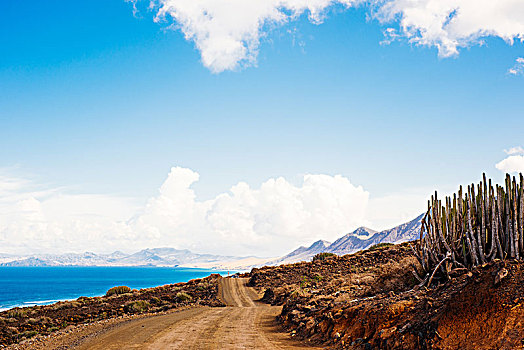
[(369, 300)]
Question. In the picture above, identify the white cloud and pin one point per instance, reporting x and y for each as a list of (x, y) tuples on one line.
[(34, 218), (452, 24), (268, 220), (512, 164), (514, 150), (518, 68), (228, 32)]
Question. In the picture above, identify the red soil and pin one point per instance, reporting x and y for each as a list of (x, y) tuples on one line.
[(367, 301)]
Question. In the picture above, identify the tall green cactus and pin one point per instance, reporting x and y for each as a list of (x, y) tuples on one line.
[(471, 229)]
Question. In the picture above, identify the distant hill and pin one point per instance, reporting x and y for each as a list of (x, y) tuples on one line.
[(302, 253), (168, 257), (357, 240), (409, 231), (361, 238), (353, 241)]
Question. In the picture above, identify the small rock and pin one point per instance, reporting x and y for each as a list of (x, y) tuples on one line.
[(458, 271), (388, 332), (310, 324), (405, 327), (500, 275)]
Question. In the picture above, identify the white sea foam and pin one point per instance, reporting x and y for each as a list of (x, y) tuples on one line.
[(31, 303), (42, 302)]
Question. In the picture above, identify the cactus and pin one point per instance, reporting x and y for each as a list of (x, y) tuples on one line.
[(471, 229)]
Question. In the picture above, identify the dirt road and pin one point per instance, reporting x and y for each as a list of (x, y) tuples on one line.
[(243, 324)]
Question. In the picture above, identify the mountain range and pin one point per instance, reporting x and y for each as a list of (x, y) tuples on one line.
[(147, 257), (361, 238)]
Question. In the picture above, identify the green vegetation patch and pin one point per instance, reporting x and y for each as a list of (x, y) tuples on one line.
[(380, 246), (118, 290), (138, 306), (16, 313), (323, 256), (28, 334), (183, 296)]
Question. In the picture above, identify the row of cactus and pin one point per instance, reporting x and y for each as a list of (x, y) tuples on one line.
[(471, 228)]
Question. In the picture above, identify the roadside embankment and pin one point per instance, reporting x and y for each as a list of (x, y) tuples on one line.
[(369, 300)]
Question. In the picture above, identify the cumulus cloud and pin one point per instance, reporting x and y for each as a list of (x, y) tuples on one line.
[(267, 220), (518, 68), (512, 164), (451, 24), (228, 32)]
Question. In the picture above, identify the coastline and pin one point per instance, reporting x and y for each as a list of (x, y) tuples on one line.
[(23, 324), (24, 292)]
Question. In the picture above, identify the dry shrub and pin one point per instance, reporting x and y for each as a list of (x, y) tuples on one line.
[(181, 296), (66, 305), (32, 321), (28, 334), (138, 306), (380, 246), (16, 313), (322, 256), (118, 290)]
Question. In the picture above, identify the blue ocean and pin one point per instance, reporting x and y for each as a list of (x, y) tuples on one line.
[(28, 286)]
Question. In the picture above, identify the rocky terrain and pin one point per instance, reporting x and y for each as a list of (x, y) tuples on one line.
[(370, 300)]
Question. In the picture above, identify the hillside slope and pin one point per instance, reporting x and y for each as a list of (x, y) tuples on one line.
[(369, 300), (302, 253), (363, 238), (353, 241), (360, 239)]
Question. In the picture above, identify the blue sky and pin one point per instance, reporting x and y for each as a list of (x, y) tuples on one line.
[(95, 100)]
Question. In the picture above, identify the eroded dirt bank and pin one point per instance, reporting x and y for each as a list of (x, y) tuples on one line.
[(367, 301)]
